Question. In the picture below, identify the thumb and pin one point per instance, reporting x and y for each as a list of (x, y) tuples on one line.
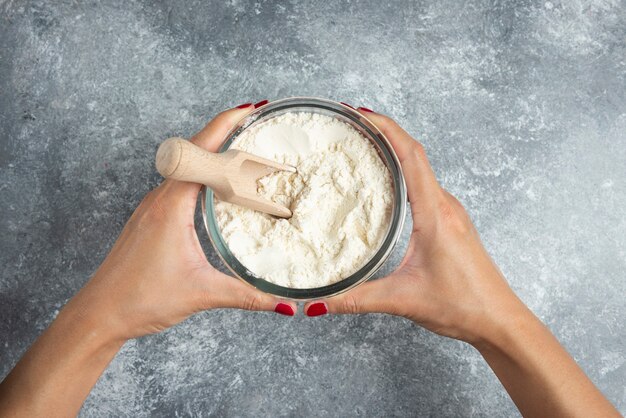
[(370, 297), (228, 292)]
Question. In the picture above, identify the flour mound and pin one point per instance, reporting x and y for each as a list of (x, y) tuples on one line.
[(340, 197)]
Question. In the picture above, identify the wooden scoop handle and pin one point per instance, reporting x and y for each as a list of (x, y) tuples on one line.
[(232, 175), (180, 159)]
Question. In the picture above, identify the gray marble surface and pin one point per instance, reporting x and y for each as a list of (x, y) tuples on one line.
[(520, 104)]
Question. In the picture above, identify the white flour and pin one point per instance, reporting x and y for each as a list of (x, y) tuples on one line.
[(341, 199)]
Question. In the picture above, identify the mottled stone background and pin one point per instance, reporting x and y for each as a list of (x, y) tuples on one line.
[(520, 104)]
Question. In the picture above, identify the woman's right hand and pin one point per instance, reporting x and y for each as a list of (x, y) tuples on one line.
[(447, 282)]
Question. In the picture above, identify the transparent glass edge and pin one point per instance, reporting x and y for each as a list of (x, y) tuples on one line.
[(369, 268)]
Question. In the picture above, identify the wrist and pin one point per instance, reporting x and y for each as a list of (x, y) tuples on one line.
[(500, 329), (90, 322)]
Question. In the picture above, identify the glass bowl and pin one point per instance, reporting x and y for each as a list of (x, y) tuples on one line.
[(385, 151)]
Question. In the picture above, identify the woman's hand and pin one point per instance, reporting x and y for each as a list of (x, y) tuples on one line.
[(157, 275), (447, 282)]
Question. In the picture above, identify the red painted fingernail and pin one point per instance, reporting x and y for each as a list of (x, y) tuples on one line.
[(261, 103), (365, 109), (243, 106), (284, 309), (317, 309), (346, 104)]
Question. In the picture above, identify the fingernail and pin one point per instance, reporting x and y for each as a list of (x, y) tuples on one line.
[(365, 109), (317, 309), (243, 106), (346, 104), (261, 103), (284, 309)]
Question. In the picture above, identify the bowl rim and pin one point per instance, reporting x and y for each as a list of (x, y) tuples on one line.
[(396, 223)]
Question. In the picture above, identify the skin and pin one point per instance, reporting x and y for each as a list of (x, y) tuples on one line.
[(157, 275), (448, 284)]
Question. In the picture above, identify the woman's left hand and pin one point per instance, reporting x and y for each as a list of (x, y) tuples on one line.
[(157, 274)]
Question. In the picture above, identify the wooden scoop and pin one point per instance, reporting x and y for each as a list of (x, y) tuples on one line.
[(232, 175)]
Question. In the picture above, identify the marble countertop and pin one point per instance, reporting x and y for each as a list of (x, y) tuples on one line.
[(521, 106)]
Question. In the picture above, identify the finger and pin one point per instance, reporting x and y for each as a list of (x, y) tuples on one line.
[(454, 201), (228, 292), (214, 133), (372, 296), (419, 176), (460, 210)]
